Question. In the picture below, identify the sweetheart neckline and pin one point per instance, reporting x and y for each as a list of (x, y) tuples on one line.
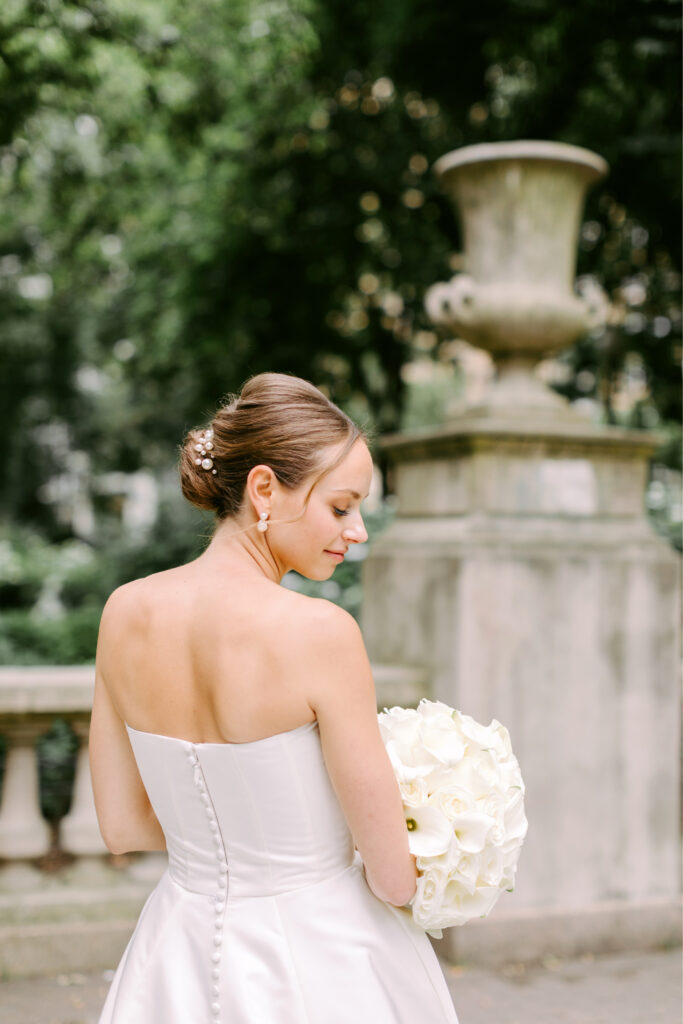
[(224, 743)]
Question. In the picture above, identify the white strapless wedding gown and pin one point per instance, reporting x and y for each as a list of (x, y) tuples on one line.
[(263, 915)]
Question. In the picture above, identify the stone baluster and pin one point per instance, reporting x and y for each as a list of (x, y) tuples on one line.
[(23, 830), (79, 830)]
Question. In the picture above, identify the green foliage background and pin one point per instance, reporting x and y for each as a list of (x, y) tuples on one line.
[(193, 193)]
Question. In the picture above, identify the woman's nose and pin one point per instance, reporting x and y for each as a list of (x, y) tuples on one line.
[(355, 533)]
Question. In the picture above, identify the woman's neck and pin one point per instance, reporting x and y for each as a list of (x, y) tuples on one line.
[(234, 548)]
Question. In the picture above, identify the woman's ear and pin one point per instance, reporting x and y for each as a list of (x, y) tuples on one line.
[(260, 484)]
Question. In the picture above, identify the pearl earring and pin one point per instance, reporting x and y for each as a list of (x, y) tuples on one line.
[(262, 524)]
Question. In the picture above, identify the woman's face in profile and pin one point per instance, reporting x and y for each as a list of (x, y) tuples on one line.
[(314, 544)]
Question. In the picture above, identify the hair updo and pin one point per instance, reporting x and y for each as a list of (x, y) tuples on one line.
[(277, 420)]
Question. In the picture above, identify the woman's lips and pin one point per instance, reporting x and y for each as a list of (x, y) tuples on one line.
[(335, 554)]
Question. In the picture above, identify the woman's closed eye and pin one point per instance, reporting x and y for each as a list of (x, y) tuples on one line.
[(340, 511)]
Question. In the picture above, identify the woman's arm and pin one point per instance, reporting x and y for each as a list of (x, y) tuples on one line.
[(344, 700), (127, 821)]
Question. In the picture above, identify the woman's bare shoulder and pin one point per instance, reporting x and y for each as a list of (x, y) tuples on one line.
[(133, 595), (125, 610), (320, 634), (122, 598), (314, 614)]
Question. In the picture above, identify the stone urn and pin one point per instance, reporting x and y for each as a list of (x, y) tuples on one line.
[(521, 580), (520, 206)]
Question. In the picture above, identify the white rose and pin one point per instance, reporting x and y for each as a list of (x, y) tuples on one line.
[(459, 906), (493, 805), (414, 792), (465, 869), (491, 866), (399, 723), (482, 735), (438, 733), (441, 740), (390, 716), (434, 710), (428, 899), (450, 799), (400, 730), (493, 738), (478, 774), (406, 771), (455, 864)]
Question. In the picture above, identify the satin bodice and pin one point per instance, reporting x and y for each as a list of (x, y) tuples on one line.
[(264, 915), (255, 819)]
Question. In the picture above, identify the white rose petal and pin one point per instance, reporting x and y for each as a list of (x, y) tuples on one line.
[(502, 745), (516, 824), (494, 805), (442, 741), (507, 878), (405, 771), (483, 735), (510, 774), (434, 709), (469, 775), (401, 735)]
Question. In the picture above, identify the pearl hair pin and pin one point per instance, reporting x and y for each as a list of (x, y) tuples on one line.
[(204, 447), (262, 524)]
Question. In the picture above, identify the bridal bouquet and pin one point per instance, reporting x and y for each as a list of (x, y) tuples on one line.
[(463, 799)]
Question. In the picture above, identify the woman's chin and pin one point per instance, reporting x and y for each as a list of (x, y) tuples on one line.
[(317, 574)]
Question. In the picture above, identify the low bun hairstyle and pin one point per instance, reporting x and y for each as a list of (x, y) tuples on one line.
[(277, 420)]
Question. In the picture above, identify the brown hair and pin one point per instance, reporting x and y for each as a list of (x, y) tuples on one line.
[(277, 420)]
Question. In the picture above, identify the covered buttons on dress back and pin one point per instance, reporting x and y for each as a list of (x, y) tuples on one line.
[(219, 898)]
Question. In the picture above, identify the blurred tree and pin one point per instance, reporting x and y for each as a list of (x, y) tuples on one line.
[(194, 193), (136, 123)]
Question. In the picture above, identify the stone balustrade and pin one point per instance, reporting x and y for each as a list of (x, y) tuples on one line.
[(30, 699)]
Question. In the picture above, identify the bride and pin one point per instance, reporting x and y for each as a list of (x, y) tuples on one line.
[(234, 725)]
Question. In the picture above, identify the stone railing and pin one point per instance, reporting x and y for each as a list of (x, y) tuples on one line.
[(30, 699), (74, 909)]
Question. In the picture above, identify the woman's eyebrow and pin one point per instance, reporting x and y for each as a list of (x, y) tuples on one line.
[(347, 490)]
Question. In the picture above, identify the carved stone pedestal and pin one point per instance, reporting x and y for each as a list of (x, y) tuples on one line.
[(522, 574)]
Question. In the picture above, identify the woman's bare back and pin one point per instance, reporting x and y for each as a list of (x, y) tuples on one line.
[(210, 659)]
